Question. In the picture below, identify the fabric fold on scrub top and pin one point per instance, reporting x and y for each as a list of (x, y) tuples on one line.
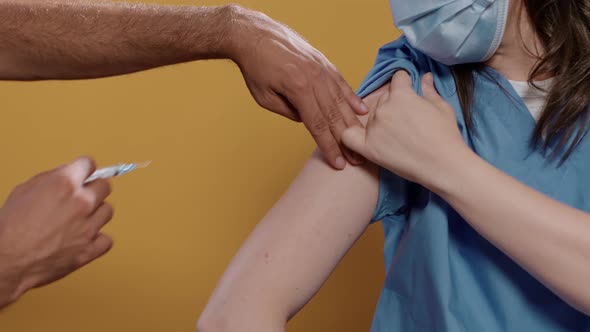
[(440, 274)]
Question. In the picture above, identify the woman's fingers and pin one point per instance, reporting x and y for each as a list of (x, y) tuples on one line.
[(432, 96), (401, 81), (355, 139)]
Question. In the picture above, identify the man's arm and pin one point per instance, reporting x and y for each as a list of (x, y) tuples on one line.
[(73, 39)]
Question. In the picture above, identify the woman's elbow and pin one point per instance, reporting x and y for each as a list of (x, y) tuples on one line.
[(226, 318), (581, 303), (213, 320), (208, 323)]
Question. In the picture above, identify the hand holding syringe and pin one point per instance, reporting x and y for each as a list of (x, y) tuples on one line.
[(116, 170)]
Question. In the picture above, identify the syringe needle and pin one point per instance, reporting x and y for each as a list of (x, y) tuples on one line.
[(143, 164)]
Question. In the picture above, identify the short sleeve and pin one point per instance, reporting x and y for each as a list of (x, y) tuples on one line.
[(397, 55), (394, 191), (393, 197)]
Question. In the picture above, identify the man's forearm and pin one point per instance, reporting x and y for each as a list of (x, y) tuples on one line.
[(74, 39)]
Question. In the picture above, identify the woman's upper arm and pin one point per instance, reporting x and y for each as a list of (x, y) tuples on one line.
[(296, 246)]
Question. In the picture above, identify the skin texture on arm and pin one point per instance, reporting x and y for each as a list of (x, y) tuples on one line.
[(294, 249), (547, 238), (75, 39)]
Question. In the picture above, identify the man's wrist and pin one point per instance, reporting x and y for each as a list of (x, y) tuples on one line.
[(223, 28), (12, 284), (15, 271), (242, 27), (229, 43)]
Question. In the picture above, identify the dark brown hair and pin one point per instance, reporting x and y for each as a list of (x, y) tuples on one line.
[(563, 28)]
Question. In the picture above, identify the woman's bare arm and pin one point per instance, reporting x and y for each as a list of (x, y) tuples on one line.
[(546, 237), (294, 249)]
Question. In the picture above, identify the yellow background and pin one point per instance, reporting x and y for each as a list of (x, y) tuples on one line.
[(219, 163)]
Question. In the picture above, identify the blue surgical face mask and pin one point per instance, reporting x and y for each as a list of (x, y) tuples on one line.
[(452, 31)]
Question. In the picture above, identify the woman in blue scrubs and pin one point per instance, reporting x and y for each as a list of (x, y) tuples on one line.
[(486, 223)]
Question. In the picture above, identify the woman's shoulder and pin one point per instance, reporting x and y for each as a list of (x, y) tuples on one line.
[(401, 55), (401, 49)]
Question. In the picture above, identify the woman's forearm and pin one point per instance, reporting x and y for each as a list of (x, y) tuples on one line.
[(418, 139), (549, 239), (69, 39)]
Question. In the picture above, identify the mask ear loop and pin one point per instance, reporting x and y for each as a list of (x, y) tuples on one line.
[(501, 27)]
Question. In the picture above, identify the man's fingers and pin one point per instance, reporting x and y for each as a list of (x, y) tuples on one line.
[(401, 81), (100, 245), (430, 94), (100, 218), (337, 111), (80, 169), (350, 119), (332, 103), (355, 102), (98, 190), (330, 149), (282, 106), (319, 127), (355, 139)]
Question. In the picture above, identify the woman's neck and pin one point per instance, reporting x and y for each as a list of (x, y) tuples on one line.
[(520, 49)]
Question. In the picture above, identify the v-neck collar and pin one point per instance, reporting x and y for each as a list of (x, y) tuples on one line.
[(505, 84)]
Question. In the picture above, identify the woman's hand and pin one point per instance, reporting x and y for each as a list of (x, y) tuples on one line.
[(412, 136), (417, 138)]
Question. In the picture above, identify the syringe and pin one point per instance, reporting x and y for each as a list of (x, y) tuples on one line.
[(116, 170)]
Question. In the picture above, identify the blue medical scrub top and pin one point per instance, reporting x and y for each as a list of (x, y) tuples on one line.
[(440, 274)]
